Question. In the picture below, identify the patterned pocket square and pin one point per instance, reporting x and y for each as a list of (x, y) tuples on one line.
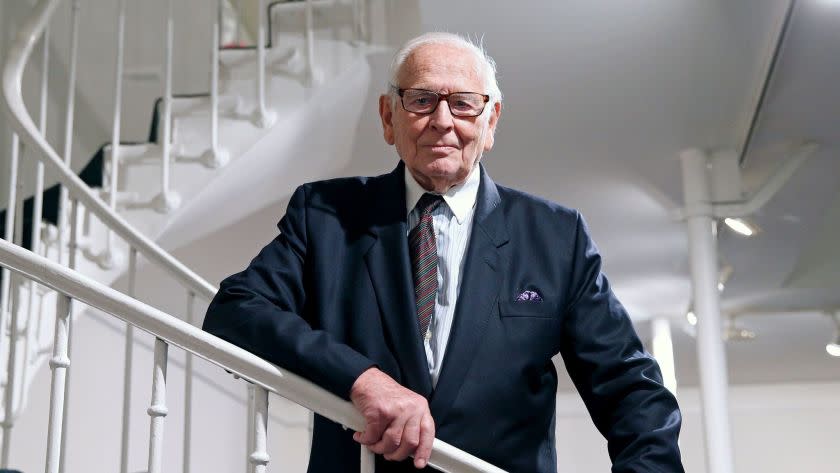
[(529, 296)]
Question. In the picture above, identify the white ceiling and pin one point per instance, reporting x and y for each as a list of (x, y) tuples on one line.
[(600, 97)]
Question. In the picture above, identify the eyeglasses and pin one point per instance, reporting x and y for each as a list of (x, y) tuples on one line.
[(425, 102)]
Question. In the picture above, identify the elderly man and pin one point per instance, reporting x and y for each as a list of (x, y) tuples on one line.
[(435, 299)]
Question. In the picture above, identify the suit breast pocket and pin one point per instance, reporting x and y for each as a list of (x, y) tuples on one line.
[(544, 309)]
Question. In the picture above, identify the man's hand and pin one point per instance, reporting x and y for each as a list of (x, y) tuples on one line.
[(398, 422)]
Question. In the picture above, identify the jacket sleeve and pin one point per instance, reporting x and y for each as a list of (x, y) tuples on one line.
[(619, 382), (261, 310)]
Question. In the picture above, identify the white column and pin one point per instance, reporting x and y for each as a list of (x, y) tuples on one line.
[(663, 351), (157, 410), (702, 242)]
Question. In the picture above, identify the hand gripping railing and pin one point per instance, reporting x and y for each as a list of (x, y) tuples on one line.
[(170, 330)]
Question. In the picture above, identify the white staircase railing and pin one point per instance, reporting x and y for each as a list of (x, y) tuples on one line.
[(170, 330), (72, 287)]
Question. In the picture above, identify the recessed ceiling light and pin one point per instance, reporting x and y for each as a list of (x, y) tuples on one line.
[(740, 226), (692, 319), (833, 347)]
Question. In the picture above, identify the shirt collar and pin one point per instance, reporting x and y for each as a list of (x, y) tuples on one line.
[(460, 198)]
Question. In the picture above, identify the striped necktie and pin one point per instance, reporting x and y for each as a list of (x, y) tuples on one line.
[(424, 262)]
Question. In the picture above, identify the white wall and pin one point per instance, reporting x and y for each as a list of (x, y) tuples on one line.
[(776, 428)]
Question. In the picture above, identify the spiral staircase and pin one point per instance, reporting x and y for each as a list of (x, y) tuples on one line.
[(277, 114)]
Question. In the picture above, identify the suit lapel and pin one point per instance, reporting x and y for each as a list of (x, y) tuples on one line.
[(482, 276), (387, 261)]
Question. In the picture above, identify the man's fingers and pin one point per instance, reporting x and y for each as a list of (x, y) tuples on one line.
[(427, 437), (391, 439), (410, 439), (371, 435)]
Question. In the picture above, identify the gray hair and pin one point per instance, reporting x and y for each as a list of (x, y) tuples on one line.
[(486, 64)]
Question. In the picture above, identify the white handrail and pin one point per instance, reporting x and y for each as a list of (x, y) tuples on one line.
[(219, 352), (21, 121)]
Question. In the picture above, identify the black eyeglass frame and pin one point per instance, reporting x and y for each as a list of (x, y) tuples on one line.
[(440, 97)]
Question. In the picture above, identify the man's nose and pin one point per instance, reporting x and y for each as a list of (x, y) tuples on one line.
[(441, 119)]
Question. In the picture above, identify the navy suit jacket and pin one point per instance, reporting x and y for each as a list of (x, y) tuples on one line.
[(332, 295)]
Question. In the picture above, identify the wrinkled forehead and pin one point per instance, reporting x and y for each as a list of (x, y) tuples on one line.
[(442, 68)]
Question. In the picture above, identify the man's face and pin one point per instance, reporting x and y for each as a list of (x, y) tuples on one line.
[(439, 149)]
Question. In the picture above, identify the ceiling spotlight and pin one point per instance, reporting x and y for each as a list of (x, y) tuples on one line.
[(741, 226), (833, 348), (692, 319), (734, 332), (724, 274)]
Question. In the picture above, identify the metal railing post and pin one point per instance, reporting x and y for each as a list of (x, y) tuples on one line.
[(188, 388), (215, 157), (157, 410), (5, 291), (128, 365), (72, 256), (263, 116), (11, 381), (70, 114), (109, 258), (59, 365), (249, 418), (259, 456), (309, 31), (167, 200), (368, 462)]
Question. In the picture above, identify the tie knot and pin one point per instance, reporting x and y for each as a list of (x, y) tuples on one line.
[(428, 202)]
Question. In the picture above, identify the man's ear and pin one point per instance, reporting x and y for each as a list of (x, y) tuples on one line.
[(491, 126), (386, 114)]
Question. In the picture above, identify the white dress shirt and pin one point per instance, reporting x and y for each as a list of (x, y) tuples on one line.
[(452, 224)]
